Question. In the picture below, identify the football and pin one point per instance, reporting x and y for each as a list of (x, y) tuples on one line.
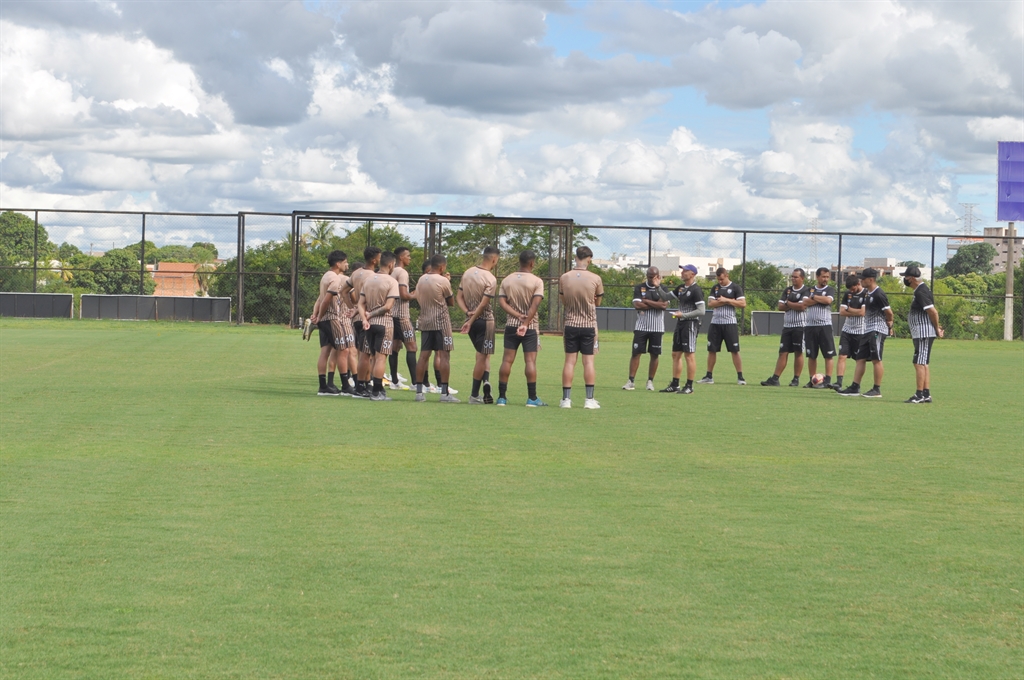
[(817, 379)]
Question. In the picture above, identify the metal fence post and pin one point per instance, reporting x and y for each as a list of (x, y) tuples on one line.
[(743, 282), (932, 284), (294, 321), (142, 258), (650, 241), (369, 231), (240, 255), (839, 265), (35, 253), (1011, 247)]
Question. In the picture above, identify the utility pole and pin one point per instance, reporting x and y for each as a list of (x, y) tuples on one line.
[(1008, 304), (966, 230)]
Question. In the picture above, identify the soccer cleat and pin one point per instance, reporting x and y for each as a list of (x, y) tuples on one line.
[(835, 386), (307, 330), (629, 386), (873, 394), (449, 399), (650, 385), (488, 399), (706, 381), (420, 396), (770, 382), (565, 403), (380, 396), (535, 402), (475, 400), (670, 388), (850, 391), (795, 382), (502, 401), (591, 403), (739, 381)]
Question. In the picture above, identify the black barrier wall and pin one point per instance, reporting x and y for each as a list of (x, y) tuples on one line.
[(36, 305), (153, 308)]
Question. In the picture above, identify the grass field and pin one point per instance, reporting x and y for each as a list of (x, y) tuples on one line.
[(177, 503)]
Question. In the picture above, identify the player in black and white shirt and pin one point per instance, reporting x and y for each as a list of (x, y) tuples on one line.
[(877, 327), (852, 310), (725, 298), (818, 332), (650, 300), (792, 342), (684, 340), (923, 320)]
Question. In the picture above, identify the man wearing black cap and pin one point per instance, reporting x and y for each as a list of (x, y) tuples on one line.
[(877, 327), (684, 340), (794, 304), (923, 320), (852, 310)]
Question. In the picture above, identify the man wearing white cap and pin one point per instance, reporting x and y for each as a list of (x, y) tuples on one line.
[(684, 340)]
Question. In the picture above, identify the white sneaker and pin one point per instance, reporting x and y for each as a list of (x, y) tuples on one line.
[(706, 381), (452, 390), (565, 403), (433, 389), (402, 378), (475, 400), (591, 403), (629, 386), (448, 399), (650, 385)]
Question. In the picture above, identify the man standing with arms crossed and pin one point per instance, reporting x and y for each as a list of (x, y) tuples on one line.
[(520, 296), (877, 327), (726, 297), (371, 259), (818, 333), (852, 311), (581, 292), (376, 300), (684, 340), (476, 290), (650, 301), (923, 320), (434, 292), (404, 333), (792, 303)]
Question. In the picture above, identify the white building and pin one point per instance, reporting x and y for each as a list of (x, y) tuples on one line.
[(671, 263)]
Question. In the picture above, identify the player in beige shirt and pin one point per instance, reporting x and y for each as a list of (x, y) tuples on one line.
[(581, 292), (476, 290), (520, 296), (404, 332), (434, 293), (376, 300), (333, 339), (371, 260)]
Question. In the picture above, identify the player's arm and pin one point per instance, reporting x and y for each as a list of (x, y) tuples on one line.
[(888, 318), (460, 300), (404, 294), (315, 316), (352, 293), (509, 310), (695, 314), (530, 315), (485, 302), (361, 306), (389, 304), (933, 316), (739, 302)]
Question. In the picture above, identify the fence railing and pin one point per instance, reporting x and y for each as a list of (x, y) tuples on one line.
[(270, 264)]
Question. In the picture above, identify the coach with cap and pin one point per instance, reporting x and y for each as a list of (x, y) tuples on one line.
[(684, 340), (923, 320)]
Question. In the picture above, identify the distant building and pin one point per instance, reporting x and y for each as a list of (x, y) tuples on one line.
[(886, 266), (995, 237), (671, 263), (619, 262), (174, 278)]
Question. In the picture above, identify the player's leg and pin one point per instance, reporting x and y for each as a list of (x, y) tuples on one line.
[(590, 380), (877, 367), (691, 365), (321, 369), (530, 359), (568, 373), (798, 366), (654, 351)]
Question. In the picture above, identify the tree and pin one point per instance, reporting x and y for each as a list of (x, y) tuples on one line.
[(910, 263), (975, 258), (764, 283), (322, 234), (206, 245), (204, 269), (117, 273), (18, 239)]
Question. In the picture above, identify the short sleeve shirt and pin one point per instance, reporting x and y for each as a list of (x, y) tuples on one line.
[(401, 308), (794, 318), (920, 325), (648, 320), (726, 314), (432, 292), (377, 289), (477, 284), (689, 296), (875, 304), (819, 314), (519, 289), (579, 288), (854, 325), (355, 282), (339, 306)]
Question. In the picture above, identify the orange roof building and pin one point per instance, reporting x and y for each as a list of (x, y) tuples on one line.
[(175, 278)]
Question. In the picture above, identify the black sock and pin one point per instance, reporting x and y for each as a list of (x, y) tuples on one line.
[(774, 377), (444, 388), (839, 380), (674, 383), (708, 375), (855, 386), (689, 383), (476, 388), (410, 361), (323, 382), (501, 389), (828, 380), (877, 387), (378, 385), (330, 378), (437, 377), (631, 378), (739, 376), (926, 392), (487, 376), (531, 389), (419, 388), (566, 393), (590, 391), (393, 365)]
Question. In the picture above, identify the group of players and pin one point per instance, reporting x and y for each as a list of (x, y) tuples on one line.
[(363, 319), (807, 329)]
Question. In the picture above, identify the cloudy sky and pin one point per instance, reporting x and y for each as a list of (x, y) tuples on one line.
[(878, 115)]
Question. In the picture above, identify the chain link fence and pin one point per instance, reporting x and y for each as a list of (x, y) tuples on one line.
[(270, 264)]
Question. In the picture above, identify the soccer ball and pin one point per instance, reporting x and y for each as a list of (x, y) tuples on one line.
[(817, 379)]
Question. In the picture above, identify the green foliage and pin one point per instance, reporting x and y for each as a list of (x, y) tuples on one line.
[(975, 258), (17, 240), (910, 263), (117, 273), (206, 245), (764, 283)]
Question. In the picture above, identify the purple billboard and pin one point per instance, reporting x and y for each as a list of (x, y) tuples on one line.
[(1010, 202)]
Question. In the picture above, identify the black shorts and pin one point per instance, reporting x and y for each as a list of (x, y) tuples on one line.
[(360, 333), (685, 337), (481, 334), (729, 332), (819, 338), (647, 342), (579, 340), (379, 340), (327, 335), (870, 347), (436, 341), (792, 340), (923, 350), (514, 341), (848, 344), (403, 331)]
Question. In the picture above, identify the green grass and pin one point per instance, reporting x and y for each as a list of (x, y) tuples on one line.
[(176, 503)]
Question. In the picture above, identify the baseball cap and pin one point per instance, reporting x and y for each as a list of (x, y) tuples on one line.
[(869, 273), (912, 270), (690, 268)]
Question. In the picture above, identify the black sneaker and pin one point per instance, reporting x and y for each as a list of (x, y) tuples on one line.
[(873, 394), (914, 399), (836, 386), (795, 382), (671, 388), (809, 385), (325, 392), (926, 400), (361, 394), (333, 390), (850, 391), (488, 399), (819, 386), (770, 382), (685, 390)]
